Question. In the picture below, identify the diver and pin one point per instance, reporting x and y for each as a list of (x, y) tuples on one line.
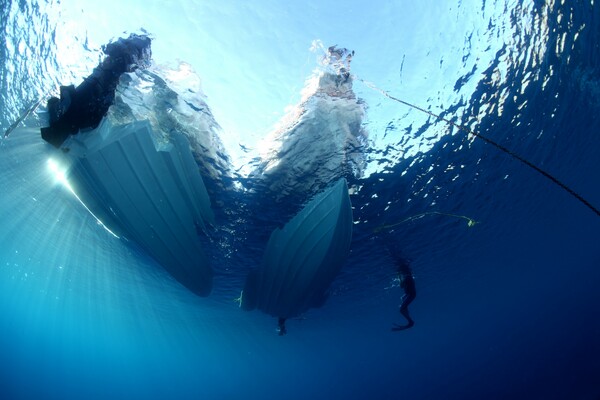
[(407, 283), (281, 326)]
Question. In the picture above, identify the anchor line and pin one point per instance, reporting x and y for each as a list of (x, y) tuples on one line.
[(489, 141)]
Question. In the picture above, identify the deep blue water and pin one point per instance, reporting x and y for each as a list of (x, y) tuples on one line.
[(506, 308)]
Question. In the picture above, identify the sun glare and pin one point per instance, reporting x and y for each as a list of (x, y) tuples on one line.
[(59, 174)]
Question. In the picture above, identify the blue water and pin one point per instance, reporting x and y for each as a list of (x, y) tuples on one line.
[(506, 308)]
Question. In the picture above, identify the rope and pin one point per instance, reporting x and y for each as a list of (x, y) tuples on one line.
[(470, 221), (490, 141)]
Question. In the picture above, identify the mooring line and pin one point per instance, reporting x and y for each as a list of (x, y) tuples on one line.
[(487, 140)]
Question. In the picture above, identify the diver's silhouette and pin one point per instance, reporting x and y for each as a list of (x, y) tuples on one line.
[(281, 326), (407, 283)]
